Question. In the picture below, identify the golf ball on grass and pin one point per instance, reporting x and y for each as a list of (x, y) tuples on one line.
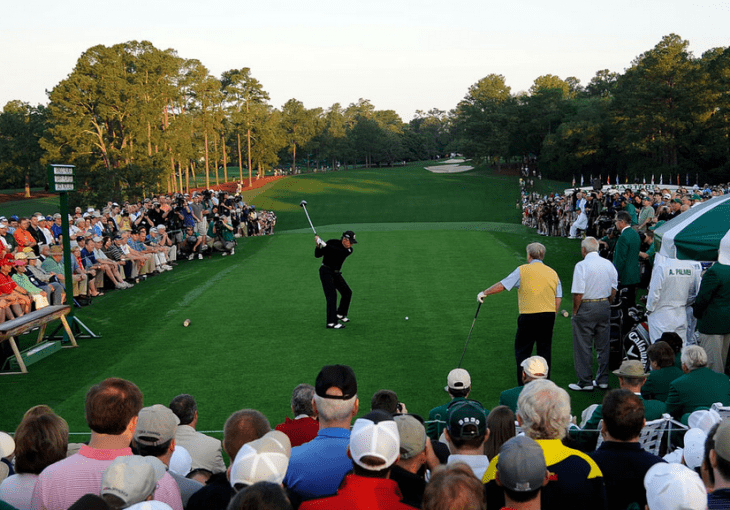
[(406, 318)]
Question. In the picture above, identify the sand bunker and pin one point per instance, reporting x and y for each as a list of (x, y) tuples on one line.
[(450, 166)]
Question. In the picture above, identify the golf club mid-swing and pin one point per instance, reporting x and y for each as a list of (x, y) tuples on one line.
[(469, 336), (303, 205)]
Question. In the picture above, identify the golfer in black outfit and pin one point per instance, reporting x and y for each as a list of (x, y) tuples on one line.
[(334, 253)]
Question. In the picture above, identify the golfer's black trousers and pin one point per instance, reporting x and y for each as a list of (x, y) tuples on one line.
[(332, 282), (532, 329)]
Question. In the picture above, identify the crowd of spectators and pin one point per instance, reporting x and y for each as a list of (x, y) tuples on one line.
[(325, 457), (592, 211), (117, 245)]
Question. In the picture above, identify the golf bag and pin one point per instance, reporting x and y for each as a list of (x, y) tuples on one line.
[(637, 341)]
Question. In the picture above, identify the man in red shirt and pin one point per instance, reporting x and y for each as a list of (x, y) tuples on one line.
[(303, 428)]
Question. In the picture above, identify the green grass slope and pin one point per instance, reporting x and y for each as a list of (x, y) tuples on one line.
[(427, 244)]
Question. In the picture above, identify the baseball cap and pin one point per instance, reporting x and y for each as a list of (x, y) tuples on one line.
[(672, 486), (181, 461), (132, 478), (521, 464), (694, 447), (412, 435), (337, 376), (155, 425), (466, 419), (7, 445), (458, 379), (375, 435), (535, 367), (263, 460), (350, 236), (631, 368), (703, 419), (722, 440)]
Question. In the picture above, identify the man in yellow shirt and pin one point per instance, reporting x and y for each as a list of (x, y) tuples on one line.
[(539, 293)]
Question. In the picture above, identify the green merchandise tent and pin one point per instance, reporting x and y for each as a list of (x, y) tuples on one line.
[(696, 234)]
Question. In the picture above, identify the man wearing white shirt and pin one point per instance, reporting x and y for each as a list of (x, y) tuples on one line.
[(582, 221), (595, 281), (673, 287)]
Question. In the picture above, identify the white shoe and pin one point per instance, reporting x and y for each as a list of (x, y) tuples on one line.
[(167, 267), (342, 318), (233, 251), (200, 256), (335, 326), (191, 257), (224, 254)]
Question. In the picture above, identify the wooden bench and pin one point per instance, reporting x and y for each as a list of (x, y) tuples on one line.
[(9, 330)]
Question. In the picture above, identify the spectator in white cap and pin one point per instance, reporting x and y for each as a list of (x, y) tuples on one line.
[(415, 453), (534, 367), (240, 428), (458, 386), (522, 473), (672, 486), (374, 448), (131, 479), (262, 460), (155, 437)]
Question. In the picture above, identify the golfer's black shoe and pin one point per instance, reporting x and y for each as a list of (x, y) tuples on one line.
[(335, 326), (342, 318)]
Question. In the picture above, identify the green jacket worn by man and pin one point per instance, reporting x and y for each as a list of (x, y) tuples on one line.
[(699, 388), (626, 256), (712, 307)]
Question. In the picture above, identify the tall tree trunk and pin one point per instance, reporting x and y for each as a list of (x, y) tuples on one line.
[(240, 159), (27, 185), (180, 173), (294, 159), (248, 136), (207, 168), (149, 139), (215, 151), (225, 163), (188, 169)]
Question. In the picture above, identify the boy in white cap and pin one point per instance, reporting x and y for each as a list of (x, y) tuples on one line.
[(374, 448)]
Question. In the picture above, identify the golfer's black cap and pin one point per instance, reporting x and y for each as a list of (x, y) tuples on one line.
[(337, 376), (350, 236)]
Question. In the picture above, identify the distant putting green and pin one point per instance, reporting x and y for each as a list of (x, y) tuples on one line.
[(428, 243)]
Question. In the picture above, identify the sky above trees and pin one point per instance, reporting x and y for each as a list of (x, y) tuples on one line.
[(402, 55)]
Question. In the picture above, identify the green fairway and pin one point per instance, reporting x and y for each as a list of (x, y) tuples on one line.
[(428, 243)]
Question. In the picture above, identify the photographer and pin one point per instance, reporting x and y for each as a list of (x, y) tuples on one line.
[(221, 231), (191, 244)]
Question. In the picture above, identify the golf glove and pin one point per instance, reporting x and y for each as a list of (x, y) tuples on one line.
[(480, 297), (321, 243)]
